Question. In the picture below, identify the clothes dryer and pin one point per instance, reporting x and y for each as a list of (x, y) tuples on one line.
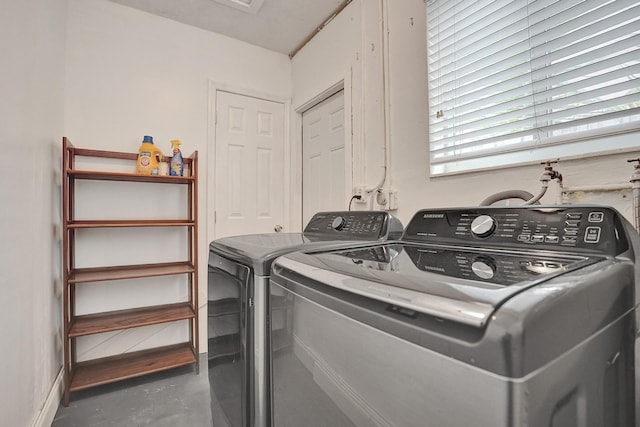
[(238, 306), (493, 316)]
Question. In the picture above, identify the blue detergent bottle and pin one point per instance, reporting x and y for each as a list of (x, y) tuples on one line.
[(176, 166)]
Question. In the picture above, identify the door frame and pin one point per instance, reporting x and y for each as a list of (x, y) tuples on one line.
[(213, 88), (344, 84)]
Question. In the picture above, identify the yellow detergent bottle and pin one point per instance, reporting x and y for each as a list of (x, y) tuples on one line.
[(149, 157)]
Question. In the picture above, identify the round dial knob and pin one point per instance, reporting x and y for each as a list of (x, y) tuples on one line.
[(483, 226), (484, 268), (338, 223)]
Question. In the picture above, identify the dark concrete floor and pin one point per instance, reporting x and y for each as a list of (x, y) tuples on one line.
[(173, 398), (180, 398)]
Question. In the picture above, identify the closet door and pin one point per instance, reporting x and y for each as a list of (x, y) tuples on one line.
[(249, 165), (324, 157)]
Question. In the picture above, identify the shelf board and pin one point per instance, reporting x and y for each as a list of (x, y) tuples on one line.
[(129, 365), (223, 307), (109, 154), (131, 318), (130, 223), (100, 274), (129, 177), (224, 345)]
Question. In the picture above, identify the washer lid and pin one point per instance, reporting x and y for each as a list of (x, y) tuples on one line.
[(446, 282)]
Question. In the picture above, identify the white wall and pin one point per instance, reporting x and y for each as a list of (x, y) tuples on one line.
[(31, 120), (129, 74), (407, 119), (330, 58), (350, 49)]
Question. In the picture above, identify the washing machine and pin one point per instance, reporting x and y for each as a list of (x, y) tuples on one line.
[(493, 316), (238, 306)]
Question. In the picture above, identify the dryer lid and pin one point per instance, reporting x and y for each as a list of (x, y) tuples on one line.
[(326, 229)]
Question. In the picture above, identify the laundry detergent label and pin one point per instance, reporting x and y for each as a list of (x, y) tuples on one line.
[(145, 159)]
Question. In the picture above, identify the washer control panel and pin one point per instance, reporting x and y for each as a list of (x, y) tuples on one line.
[(593, 228), (497, 268), (354, 225), (494, 268)]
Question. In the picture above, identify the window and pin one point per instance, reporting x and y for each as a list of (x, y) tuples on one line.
[(524, 80)]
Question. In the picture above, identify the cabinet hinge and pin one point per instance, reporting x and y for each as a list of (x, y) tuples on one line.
[(250, 302)]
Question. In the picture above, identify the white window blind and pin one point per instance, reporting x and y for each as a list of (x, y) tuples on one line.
[(523, 80)]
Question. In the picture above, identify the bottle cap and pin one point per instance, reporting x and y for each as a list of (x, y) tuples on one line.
[(147, 138)]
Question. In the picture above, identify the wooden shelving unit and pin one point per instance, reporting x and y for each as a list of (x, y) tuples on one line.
[(90, 373)]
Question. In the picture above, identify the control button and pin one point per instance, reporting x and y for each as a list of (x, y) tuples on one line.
[(523, 238), (592, 235), (569, 240), (574, 215), (484, 268), (572, 223), (553, 265), (338, 223), (571, 231), (596, 216), (539, 267), (552, 239), (537, 238), (483, 226)]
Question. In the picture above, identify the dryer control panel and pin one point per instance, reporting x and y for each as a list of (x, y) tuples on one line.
[(354, 225), (591, 228)]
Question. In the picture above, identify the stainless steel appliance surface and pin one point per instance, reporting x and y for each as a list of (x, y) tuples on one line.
[(239, 307), (484, 316)]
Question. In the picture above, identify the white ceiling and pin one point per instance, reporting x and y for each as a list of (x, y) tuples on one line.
[(278, 25)]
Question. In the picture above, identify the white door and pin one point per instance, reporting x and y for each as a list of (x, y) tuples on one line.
[(324, 157), (249, 165)]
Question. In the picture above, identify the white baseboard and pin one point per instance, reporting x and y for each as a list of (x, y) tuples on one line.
[(50, 407)]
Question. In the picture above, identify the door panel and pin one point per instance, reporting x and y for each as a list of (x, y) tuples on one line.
[(249, 165), (324, 157)]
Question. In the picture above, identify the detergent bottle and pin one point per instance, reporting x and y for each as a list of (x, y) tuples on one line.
[(176, 166), (149, 157)]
